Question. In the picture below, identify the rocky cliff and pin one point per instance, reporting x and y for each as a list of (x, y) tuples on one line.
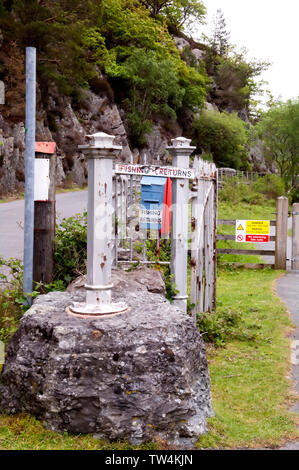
[(60, 121), (67, 121)]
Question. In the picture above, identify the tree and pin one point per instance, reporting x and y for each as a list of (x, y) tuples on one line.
[(177, 12), (154, 90), (223, 135), (220, 37), (278, 129)]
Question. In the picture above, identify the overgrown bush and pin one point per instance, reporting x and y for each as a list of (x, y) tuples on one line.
[(223, 135), (12, 301), (70, 249), (223, 325)]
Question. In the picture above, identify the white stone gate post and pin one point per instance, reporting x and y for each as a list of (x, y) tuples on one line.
[(180, 152), (100, 153)]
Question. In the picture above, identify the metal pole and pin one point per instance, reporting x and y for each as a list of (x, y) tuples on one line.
[(29, 170)]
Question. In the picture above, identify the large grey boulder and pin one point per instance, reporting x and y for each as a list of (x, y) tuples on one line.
[(139, 279), (138, 375)]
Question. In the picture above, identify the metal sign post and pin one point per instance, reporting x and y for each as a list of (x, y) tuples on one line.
[(29, 170), (100, 153)]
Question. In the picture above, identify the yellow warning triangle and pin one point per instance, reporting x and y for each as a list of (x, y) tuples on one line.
[(240, 227)]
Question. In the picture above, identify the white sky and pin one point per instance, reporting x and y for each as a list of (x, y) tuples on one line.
[(269, 30)]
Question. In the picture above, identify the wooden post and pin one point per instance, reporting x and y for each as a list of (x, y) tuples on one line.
[(281, 233), (215, 218), (295, 237), (203, 247), (44, 218)]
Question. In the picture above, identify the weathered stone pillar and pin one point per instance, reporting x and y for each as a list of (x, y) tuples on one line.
[(100, 153), (180, 151)]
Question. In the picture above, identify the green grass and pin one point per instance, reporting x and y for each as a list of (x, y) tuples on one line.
[(250, 389), (24, 432), (242, 210)]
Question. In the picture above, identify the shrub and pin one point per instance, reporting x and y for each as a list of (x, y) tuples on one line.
[(223, 325), (70, 249), (272, 186), (223, 135), (12, 301)]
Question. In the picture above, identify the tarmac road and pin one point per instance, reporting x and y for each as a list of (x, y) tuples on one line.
[(287, 289), (12, 220)]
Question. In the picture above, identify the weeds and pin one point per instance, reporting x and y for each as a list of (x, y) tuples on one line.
[(13, 303), (70, 249)]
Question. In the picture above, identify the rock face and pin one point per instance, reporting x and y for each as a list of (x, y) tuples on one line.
[(258, 160), (58, 121), (140, 279), (138, 375)]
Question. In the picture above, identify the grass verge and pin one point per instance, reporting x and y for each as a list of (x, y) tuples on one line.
[(250, 385)]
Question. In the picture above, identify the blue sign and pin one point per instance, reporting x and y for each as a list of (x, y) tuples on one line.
[(152, 198)]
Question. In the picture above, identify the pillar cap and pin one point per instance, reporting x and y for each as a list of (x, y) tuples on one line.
[(100, 140), (181, 143)]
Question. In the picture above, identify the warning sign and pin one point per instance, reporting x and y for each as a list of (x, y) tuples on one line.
[(252, 231), (258, 227)]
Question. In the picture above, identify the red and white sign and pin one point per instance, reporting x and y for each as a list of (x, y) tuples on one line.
[(257, 238), (45, 147)]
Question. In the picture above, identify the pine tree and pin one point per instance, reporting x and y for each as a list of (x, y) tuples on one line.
[(220, 36)]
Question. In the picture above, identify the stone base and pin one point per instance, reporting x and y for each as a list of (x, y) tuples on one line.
[(136, 376)]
